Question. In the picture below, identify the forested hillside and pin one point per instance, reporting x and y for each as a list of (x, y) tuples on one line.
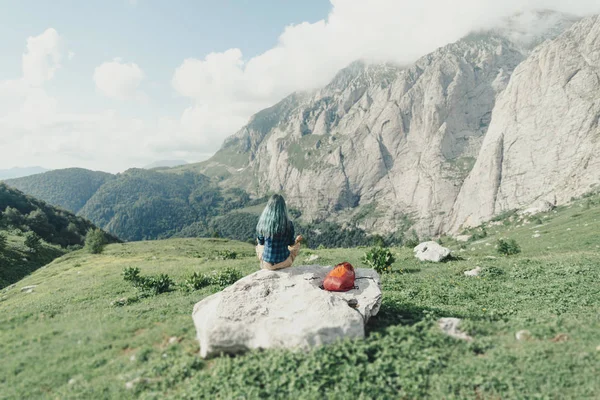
[(140, 204), (67, 188), (33, 233)]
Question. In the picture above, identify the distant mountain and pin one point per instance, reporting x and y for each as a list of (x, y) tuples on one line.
[(141, 204), (67, 188), (382, 147), (166, 164), (18, 172)]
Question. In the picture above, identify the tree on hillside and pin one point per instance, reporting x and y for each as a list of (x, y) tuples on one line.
[(3, 241), (12, 216), (95, 241), (32, 241)]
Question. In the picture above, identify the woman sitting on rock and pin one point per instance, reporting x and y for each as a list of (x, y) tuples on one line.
[(276, 247)]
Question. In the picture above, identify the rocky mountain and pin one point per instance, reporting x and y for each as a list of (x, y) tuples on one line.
[(543, 141), (384, 147), (165, 164)]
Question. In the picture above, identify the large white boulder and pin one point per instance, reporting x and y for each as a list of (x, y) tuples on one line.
[(431, 251), (284, 309)]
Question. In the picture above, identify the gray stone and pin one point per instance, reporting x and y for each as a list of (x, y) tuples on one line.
[(523, 335), (450, 327), (431, 251), (474, 272), (28, 289), (284, 309)]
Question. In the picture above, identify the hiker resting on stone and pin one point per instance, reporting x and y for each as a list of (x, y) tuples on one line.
[(276, 247)]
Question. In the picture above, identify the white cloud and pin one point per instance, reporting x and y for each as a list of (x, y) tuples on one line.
[(119, 80), (308, 55), (42, 57), (36, 130), (225, 88)]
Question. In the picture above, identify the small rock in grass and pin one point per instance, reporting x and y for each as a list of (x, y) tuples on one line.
[(561, 337), (72, 381), (131, 384), (173, 339), (473, 272), (537, 235), (132, 358), (431, 251), (490, 257), (28, 289), (523, 335), (450, 327), (312, 258), (598, 348), (568, 229)]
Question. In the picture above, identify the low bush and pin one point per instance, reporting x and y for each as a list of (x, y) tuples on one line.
[(197, 281), (227, 276), (226, 255), (508, 247), (380, 259), (147, 285)]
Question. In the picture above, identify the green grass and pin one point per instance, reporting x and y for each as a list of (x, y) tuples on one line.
[(68, 331)]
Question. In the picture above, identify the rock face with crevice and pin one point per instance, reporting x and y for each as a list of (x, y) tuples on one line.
[(285, 309), (543, 142)]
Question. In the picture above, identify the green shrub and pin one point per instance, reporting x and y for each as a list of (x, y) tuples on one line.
[(411, 241), (508, 247), (32, 241), (378, 241), (380, 259), (227, 276), (478, 235), (504, 216), (95, 241), (3, 241), (148, 285), (131, 274), (197, 281), (226, 255), (321, 247), (492, 272)]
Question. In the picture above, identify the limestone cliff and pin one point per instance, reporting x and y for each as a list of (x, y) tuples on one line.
[(543, 141)]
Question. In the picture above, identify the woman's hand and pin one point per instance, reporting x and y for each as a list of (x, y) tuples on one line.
[(299, 238)]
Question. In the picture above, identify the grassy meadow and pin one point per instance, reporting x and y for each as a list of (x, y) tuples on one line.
[(83, 334)]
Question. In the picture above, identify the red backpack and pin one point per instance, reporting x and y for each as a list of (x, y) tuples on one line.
[(340, 279)]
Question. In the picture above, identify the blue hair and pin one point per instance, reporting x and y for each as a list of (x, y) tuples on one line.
[(274, 220)]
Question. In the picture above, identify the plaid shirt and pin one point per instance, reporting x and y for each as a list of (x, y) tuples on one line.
[(276, 249)]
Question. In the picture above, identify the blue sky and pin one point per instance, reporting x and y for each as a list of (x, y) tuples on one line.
[(157, 35), (114, 84)]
